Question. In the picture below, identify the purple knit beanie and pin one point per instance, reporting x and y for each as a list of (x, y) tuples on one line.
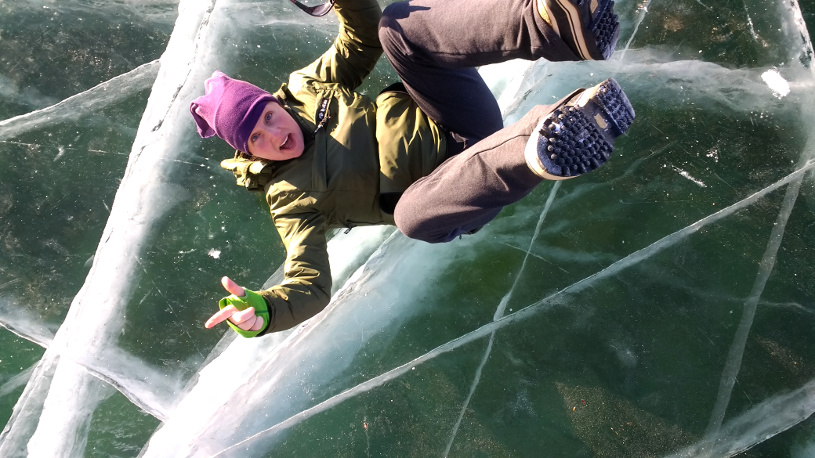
[(229, 109)]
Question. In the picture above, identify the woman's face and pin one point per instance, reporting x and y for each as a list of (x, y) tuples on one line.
[(276, 135)]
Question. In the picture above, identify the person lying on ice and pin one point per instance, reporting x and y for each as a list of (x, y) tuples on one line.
[(429, 155)]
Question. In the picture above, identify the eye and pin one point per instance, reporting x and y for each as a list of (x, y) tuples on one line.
[(253, 138), (268, 116)]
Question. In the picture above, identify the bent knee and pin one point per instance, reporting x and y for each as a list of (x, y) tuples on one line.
[(407, 224), (391, 35), (417, 228)]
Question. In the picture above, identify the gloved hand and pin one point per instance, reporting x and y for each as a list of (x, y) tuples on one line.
[(244, 310)]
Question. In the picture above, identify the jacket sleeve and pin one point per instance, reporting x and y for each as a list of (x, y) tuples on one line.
[(306, 289), (355, 50)]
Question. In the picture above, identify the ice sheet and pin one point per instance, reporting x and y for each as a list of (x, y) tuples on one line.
[(662, 305)]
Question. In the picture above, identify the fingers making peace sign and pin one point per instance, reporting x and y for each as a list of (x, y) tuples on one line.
[(244, 319)]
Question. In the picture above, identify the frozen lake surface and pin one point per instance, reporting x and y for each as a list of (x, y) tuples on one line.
[(663, 305)]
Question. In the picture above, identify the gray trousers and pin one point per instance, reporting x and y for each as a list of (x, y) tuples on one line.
[(434, 46)]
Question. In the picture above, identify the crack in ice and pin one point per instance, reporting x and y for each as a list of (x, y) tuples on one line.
[(95, 98), (736, 352), (643, 10), (499, 313)]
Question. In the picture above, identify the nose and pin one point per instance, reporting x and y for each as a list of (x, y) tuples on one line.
[(276, 136)]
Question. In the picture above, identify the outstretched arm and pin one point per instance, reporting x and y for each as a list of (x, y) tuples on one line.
[(305, 291), (355, 51)]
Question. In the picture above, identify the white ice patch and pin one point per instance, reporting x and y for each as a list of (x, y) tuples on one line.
[(689, 177), (214, 254), (777, 83), (713, 154), (60, 152)]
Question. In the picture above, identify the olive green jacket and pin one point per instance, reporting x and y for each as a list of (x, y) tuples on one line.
[(356, 149)]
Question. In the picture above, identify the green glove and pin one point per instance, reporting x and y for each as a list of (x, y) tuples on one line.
[(249, 299)]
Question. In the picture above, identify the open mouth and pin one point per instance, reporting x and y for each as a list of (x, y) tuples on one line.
[(286, 143)]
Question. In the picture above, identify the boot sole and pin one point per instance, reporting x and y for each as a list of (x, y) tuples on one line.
[(593, 38), (578, 136)]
